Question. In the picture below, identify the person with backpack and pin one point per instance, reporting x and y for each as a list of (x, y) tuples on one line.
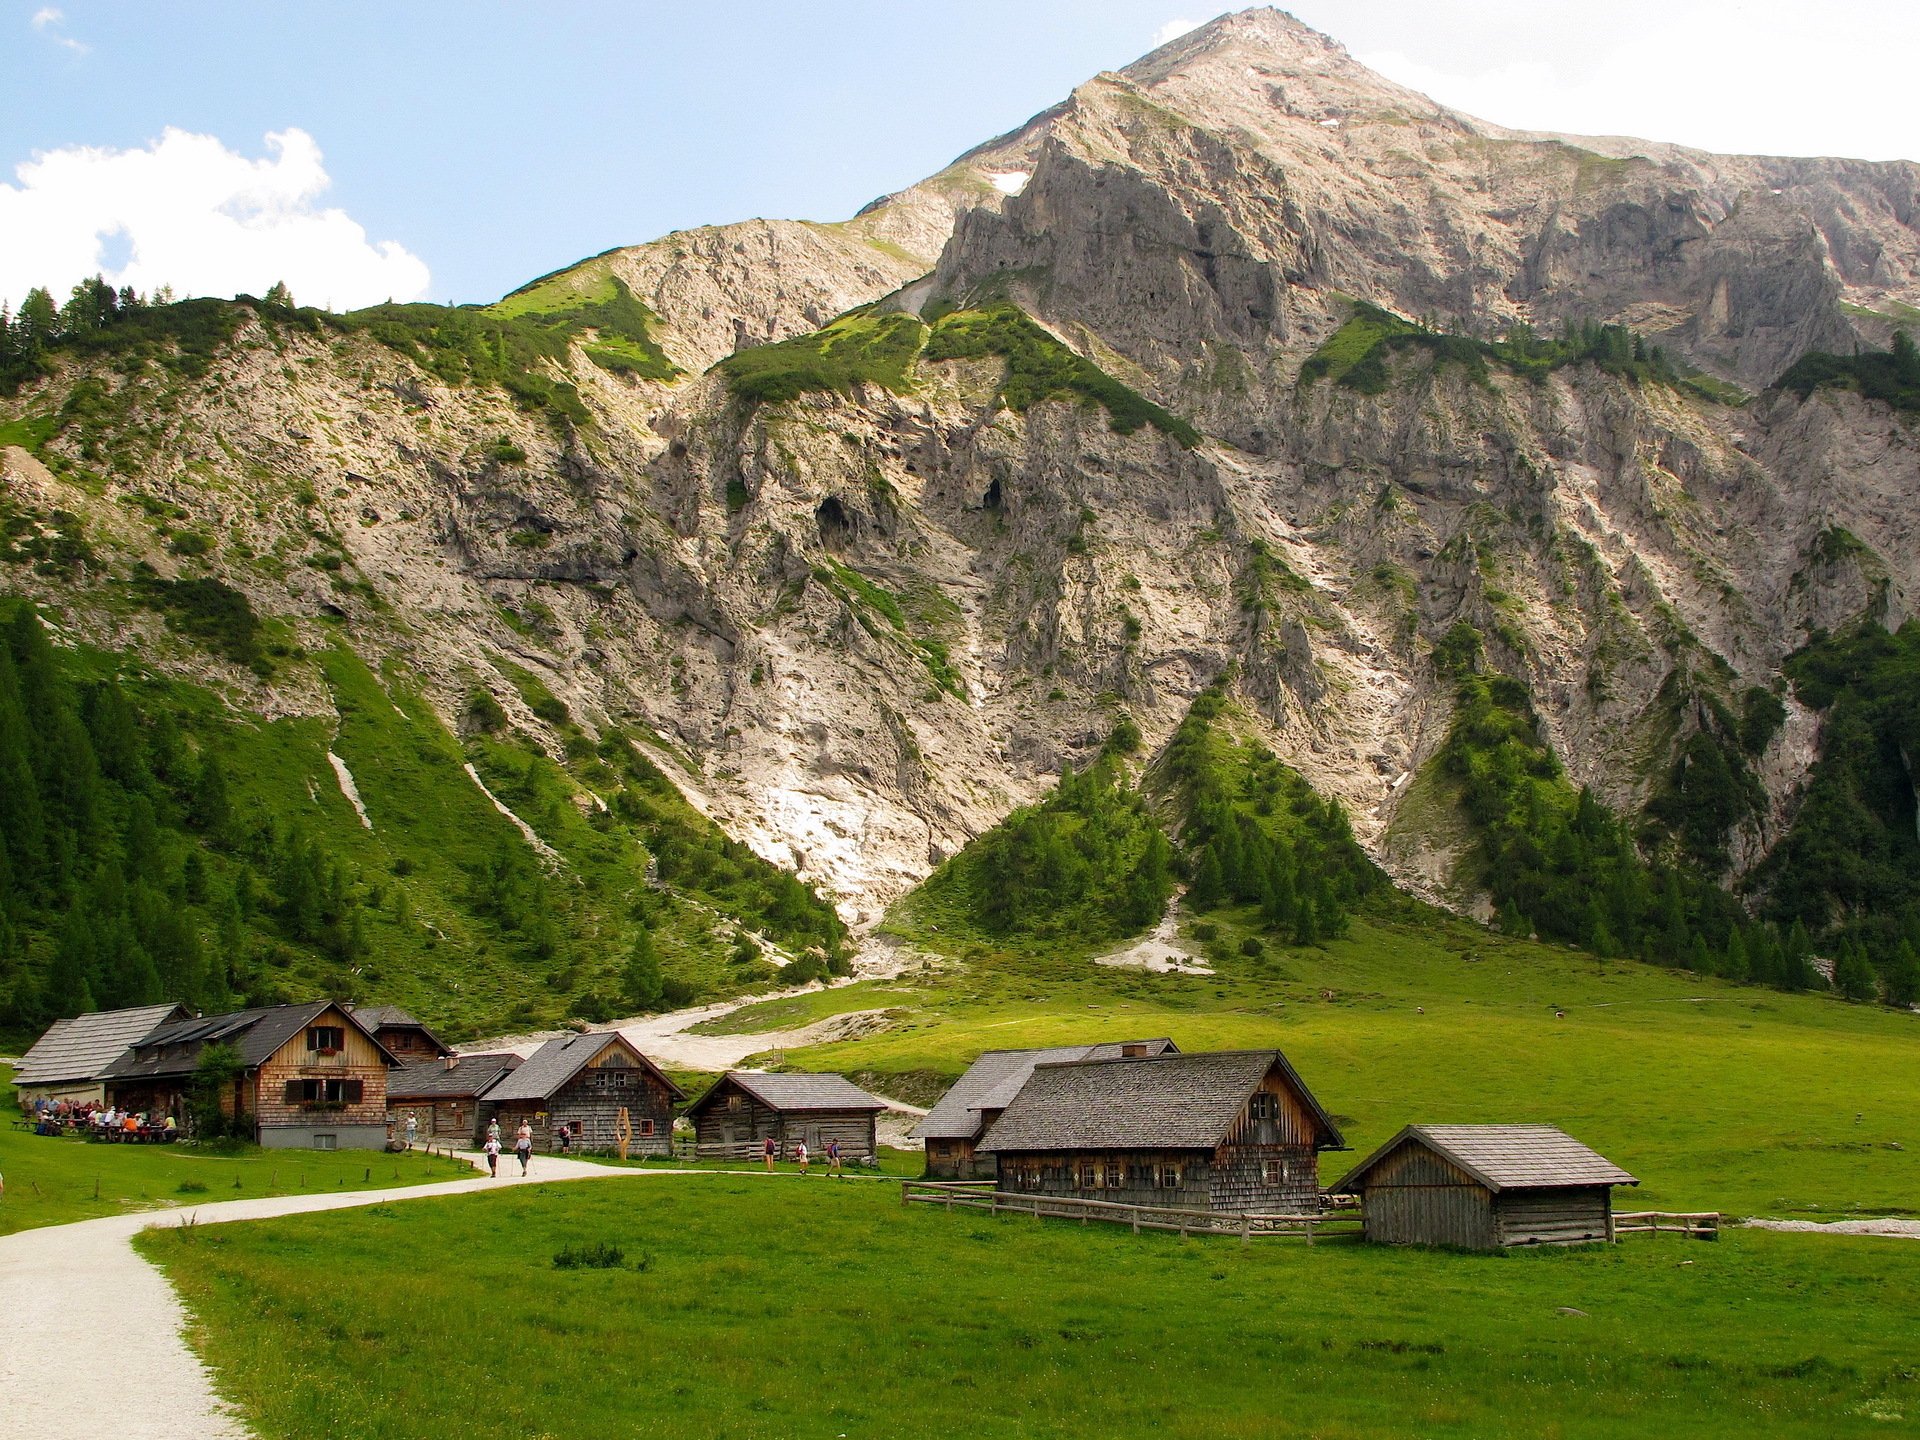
[(493, 1156), (800, 1156), (770, 1150), (523, 1145), (833, 1159)]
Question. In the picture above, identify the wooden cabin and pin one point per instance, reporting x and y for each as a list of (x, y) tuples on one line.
[(745, 1108), (444, 1095), (70, 1061), (581, 1083), (311, 1076), (404, 1037), (1483, 1187), (951, 1130), (1232, 1131)]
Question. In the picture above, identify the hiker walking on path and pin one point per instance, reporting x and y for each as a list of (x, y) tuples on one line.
[(768, 1150), (493, 1156), (413, 1128), (800, 1156), (833, 1159), (523, 1145), (493, 1130)]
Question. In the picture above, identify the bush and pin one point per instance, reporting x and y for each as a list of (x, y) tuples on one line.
[(594, 1255)]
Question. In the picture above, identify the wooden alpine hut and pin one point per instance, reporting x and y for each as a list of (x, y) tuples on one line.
[(1233, 1131), (745, 1108), (69, 1061), (951, 1130), (443, 1095), (1483, 1187), (581, 1083)]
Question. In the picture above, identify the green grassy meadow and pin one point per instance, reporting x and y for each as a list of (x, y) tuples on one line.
[(749, 1307), (1718, 1096), (52, 1181)]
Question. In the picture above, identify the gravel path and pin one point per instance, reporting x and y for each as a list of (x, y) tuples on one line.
[(93, 1332), (1889, 1228)]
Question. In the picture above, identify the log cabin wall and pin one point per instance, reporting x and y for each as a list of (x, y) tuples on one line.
[(589, 1106), (957, 1160), (736, 1125), (1174, 1177), (1552, 1217), (1415, 1197), (1270, 1179), (440, 1118), (286, 1120)]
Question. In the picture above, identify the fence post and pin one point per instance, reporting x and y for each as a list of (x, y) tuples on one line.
[(1246, 1229)]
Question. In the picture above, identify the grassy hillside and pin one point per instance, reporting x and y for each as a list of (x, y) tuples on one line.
[(847, 1315), (54, 1181), (157, 845), (1717, 1096)]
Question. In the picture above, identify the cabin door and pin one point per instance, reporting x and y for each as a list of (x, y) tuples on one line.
[(813, 1137)]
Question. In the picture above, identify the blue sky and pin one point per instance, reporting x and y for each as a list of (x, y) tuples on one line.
[(485, 143)]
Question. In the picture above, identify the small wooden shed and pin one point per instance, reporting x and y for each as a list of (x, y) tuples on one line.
[(1483, 1187), (581, 1083), (735, 1119)]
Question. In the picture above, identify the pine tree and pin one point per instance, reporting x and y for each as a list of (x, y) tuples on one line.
[(1853, 975), (1736, 964), (1903, 976), (642, 983), (1699, 957), (1207, 888)]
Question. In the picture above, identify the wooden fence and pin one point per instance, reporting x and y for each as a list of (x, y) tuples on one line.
[(983, 1195), (1695, 1224)]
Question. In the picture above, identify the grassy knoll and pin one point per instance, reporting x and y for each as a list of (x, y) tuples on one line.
[(1718, 1096), (744, 1307), (50, 1182)]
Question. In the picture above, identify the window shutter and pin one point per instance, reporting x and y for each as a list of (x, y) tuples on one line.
[(352, 1091), (293, 1092)]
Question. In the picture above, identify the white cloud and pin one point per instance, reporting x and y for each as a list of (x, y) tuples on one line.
[(188, 212), (1173, 30), (46, 19), (1794, 85)]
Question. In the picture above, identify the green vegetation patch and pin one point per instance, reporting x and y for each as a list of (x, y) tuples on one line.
[(864, 347), (867, 600), (1040, 368), (1849, 869), (860, 348), (1357, 354), (594, 306), (1891, 375), (207, 611), (1256, 833), (1088, 863), (842, 1317)]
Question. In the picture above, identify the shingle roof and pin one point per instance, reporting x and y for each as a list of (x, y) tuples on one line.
[(543, 1074), (83, 1047), (374, 1017), (256, 1034), (1503, 1157), (432, 1080), (1172, 1102), (992, 1081), (795, 1091)]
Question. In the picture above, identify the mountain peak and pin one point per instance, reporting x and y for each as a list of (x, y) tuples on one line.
[(1264, 32)]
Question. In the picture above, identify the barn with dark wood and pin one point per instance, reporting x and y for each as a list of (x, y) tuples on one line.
[(745, 1108), (581, 1083), (1233, 1131), (951, 1130), (443, 1095), (1483, 1187)]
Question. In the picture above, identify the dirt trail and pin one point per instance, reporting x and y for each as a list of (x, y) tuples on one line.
[(1885, 1227), (79, 1296)]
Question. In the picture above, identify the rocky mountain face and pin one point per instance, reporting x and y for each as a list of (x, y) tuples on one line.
[(873, 615)]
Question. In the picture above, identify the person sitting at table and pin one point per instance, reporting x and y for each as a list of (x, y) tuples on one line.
[(171, 1128), (130, 1123)]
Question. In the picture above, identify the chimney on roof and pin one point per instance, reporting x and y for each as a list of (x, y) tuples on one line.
[(451, 1059)]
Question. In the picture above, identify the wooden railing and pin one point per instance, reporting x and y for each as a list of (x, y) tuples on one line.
[(984, 1195), (1696, 1224)]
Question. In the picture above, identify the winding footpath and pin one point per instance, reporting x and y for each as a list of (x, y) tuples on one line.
[(94, 1333)]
